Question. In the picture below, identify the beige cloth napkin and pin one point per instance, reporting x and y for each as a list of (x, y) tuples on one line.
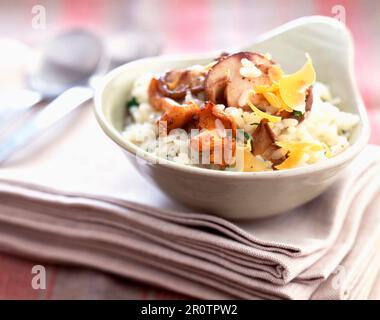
[(76, 199)]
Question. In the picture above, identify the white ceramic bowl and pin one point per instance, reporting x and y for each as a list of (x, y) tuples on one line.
[(238, 195)]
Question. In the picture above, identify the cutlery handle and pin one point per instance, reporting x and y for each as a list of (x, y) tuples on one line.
[(14, 102), (52, 113)]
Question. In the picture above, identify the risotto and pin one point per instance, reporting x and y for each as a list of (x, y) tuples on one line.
[(238, 113)]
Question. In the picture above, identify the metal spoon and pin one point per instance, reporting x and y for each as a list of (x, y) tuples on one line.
[(64, 61), (71, 63), (64, 68)]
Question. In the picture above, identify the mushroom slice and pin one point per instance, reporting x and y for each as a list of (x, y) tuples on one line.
[(211, 118), (309, 99), (176, 83), (264, 143), (213, 137), (225, 83), (155, 96), (222, 56), (214, 148), (177, 115)]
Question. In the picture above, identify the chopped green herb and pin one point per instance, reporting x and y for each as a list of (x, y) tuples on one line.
[(132, 102), (247, 136), (297, 114), (254, 124)]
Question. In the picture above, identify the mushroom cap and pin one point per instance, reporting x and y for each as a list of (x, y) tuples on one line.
[(224, 82)]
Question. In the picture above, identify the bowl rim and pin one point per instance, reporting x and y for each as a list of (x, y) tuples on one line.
[(349, 154)]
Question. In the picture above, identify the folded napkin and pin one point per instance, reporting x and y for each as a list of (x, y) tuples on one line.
[(75, 199)]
